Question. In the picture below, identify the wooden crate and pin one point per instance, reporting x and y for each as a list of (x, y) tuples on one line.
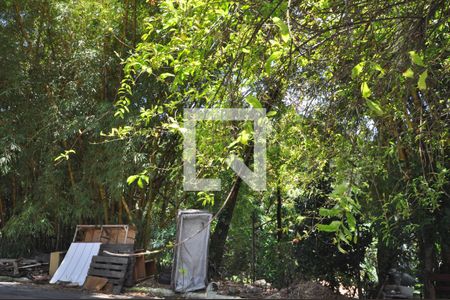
[(91, 235), (112, 268), (106, 234)]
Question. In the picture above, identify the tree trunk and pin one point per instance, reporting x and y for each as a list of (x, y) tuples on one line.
[(428, 259), (253, 246), (220, 234), (386, 258), (279, 224)]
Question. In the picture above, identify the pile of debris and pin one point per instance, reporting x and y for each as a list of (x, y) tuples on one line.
[(34, 269), (101, 258)]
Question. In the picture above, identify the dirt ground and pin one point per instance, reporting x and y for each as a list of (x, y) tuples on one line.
[(151, 289), (260, 289), (29, 290)]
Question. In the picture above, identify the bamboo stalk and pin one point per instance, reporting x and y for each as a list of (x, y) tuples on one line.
[(1, 212), (105, 204), (14, 195), (127, 210), (119, 217), (69, 169), (112, 210)]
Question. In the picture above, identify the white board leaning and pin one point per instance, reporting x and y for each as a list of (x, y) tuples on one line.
[(190, 266)]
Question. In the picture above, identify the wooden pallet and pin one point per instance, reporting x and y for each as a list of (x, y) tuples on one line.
[(110, 267), (122, 249)]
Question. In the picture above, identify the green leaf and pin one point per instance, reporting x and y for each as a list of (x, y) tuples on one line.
[(365, 90), (343, 238), (332, 227), (351, 221), (140, 183), (253, 101), (300, 219), (64, 155), (271, 113), (377, 67), (340, 249), (284, 29), (147, 69), (274, 56), (245, 136), (165, 75), (145, 178), (177, 127), (422, 84), (375, 107), (356, 71), (235, 142), (131, 179), (325, 212), (416, 58), (408, 73)]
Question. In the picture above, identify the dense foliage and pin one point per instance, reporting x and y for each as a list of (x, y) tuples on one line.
[(357, 92)]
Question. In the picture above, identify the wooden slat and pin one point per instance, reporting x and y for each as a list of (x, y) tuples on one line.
[(107, 273), (118, 268), (110, 260), (117, 248)]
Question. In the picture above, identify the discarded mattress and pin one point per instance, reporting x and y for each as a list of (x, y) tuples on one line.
[(189, 271), (74, 268)]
